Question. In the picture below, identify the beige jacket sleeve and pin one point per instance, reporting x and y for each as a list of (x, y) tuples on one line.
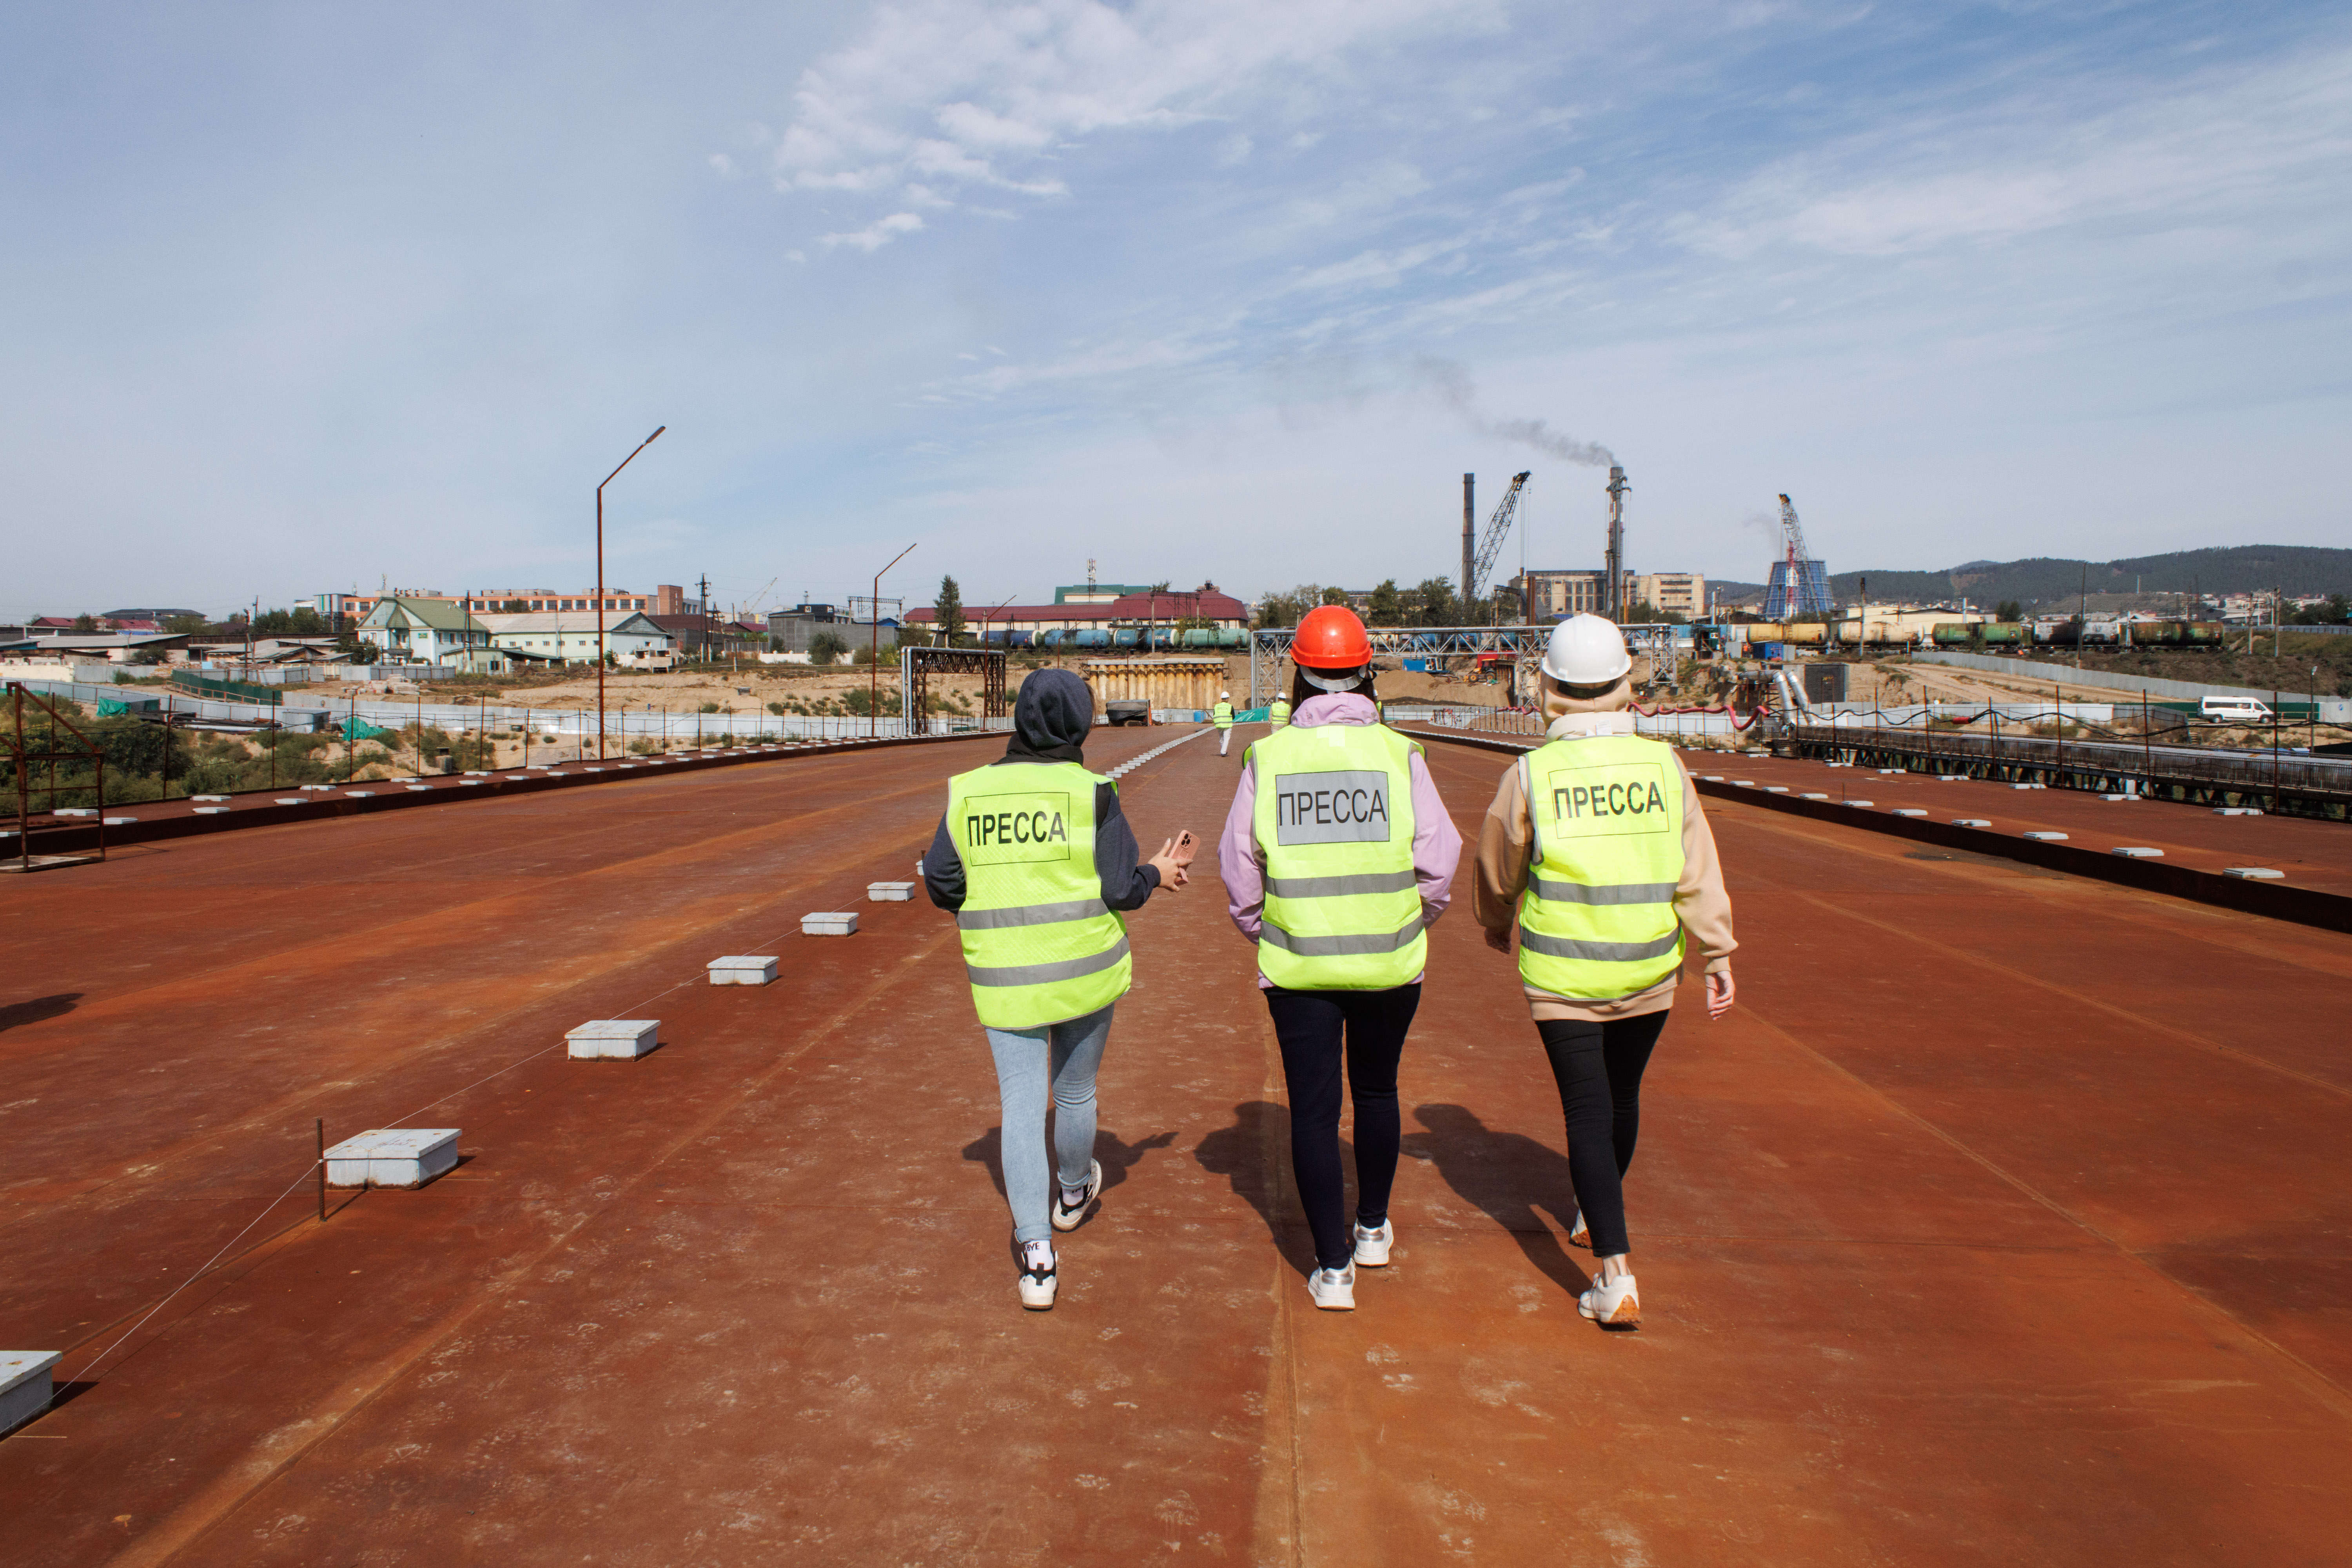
[(1506, 841)]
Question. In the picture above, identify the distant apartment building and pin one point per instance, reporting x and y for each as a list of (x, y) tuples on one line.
[(1550, 596), (1670, 593), (668, 599)]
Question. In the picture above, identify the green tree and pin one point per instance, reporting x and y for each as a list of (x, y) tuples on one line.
[(1338, 597), (2009, 610), (949, 607), (515, 607), (1387, 606), (85, 621), (1434, 604), (826, 647), (185, 626)]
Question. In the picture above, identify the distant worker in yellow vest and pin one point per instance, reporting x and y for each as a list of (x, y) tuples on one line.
[(1222, 715), (1278, 712), (1337, 856), (1596, 851), (1036, 862)]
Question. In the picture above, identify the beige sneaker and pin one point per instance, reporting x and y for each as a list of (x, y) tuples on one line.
[(1372, 1245), (1039, 1280), (1334, 1289), (1578, 1236), (1614, 1302)]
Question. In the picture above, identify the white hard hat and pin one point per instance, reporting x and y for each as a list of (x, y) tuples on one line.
[(1225, 694), (1586, 650)]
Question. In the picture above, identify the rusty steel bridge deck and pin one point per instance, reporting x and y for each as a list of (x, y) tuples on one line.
[(2005, 1219)]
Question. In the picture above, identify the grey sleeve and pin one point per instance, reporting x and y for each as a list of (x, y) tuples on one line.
[(1125, 884), (943, 870)]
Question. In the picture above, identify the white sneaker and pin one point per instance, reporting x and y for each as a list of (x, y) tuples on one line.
[(1372, 1245), (1578, 1236), (1614, 1302), (1334, 1289), (1039, 1280), (1065, 1217)]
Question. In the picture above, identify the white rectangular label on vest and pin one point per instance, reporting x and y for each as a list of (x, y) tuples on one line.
[(1002, 829), (1605, 800), (1350, 806)]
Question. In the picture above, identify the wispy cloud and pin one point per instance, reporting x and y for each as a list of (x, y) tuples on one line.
[(874, 235)]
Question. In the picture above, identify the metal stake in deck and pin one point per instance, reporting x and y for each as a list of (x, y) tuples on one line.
[(321, 1125)]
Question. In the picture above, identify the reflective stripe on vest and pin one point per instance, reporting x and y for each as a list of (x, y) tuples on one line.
[(1334, 820), (1039, 944), (1597, 920)]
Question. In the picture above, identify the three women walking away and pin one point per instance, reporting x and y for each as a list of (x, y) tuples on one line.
[(1037, 864), (1596, 852), (1337, 855)]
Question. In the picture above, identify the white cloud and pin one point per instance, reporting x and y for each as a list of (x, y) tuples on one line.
[(963, 90), (876, 234)]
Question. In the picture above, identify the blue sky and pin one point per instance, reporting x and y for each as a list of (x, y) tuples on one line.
[(304, 298)]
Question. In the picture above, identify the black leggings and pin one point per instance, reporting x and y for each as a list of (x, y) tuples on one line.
[(1309, 1026), (1598, 1069)]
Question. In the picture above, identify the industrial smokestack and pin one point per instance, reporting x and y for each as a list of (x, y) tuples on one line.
[(1469, 542), (1615, 585)]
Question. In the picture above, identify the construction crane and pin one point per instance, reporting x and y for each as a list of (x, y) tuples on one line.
[(1800, 584), (1491, 546)]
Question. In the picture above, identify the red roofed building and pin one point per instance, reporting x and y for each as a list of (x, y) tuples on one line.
[(1205, 605)]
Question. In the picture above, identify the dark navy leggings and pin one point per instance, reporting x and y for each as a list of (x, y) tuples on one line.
[(1598, 1069), (1317, 1030)]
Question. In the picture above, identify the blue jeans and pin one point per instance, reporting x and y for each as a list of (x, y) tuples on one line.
[(1065, 1056)]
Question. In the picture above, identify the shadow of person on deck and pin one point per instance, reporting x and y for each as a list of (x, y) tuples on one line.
[(1251, 1155), (1510, 1177), (18, 1014), (1117, 1157)]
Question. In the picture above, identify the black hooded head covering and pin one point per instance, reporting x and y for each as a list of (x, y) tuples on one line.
[(1051, 716)]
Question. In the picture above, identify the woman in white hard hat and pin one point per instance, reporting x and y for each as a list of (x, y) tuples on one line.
[(1596, 851)]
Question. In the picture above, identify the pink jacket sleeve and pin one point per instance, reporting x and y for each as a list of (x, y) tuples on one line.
[(1436, 844), (1239, 860)]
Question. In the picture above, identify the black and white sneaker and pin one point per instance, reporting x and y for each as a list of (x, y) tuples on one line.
[(1067, 1216), (1039, 1280)]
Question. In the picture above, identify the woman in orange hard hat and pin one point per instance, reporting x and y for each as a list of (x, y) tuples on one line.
[(1337, 855)]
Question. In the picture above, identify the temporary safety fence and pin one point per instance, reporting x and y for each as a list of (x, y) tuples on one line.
[(1655, 722)]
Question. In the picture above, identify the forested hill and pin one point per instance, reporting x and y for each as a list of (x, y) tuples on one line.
[(2048, 580)]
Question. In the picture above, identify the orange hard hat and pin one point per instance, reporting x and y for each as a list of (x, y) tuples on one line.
[(1331, 638)]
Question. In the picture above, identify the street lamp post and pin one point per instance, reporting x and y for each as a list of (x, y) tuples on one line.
[(873, 649), (600, 585)]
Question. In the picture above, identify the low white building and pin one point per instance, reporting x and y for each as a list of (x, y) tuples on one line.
[(423, 631), (570, 636)]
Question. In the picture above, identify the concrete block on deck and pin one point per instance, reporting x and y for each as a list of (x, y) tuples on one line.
[(833, 923), (392, 1157), (1909, 811), (210, 810), (2237, 810), (2137, 852), (743, 969), (2253, 873), (622, 1039), (891, 892), (2047, 837), (25, 1386), (1971, 822)]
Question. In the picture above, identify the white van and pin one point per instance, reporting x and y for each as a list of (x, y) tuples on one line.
[(2235, 710)]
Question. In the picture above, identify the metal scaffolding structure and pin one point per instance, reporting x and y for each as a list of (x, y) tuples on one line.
[(917, 665), (1270, 647)]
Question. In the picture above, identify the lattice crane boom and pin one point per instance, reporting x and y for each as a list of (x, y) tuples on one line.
[(1792, 536), (1491, 545)]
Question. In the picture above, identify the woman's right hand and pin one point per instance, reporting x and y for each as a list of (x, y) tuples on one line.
[(1719, 993), (1173, 857)]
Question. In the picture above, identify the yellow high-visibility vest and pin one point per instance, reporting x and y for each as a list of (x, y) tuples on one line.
[(1597, 920), (1334, 816), (1040, 946)]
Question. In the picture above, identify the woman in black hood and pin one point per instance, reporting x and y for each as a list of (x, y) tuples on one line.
[(1038, 865)]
